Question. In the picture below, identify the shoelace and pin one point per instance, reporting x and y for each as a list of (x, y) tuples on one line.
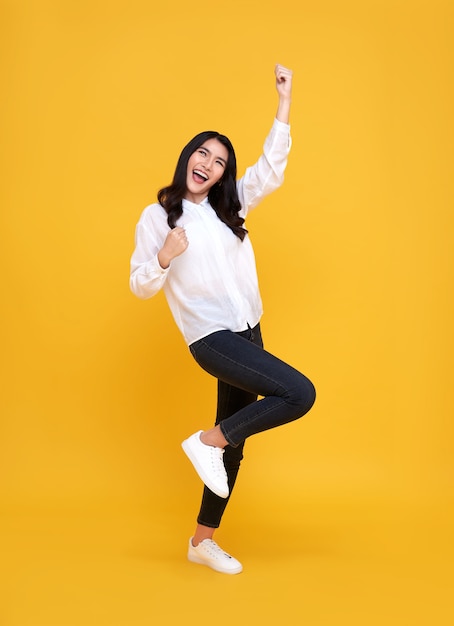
[(217, 461), (215, 550)]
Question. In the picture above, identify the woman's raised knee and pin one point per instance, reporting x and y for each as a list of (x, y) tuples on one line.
[(303, 395)]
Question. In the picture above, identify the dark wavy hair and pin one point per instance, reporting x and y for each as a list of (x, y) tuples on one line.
[(223, 196)]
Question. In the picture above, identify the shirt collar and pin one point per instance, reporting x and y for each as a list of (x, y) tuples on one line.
[(205, 203)]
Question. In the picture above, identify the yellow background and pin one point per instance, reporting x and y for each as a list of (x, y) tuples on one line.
[(344, 517)]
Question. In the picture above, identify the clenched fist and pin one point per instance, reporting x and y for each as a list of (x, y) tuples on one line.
[(175, 244)]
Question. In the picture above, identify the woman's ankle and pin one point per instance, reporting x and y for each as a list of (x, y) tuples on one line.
[(214, 437), (201, 533)]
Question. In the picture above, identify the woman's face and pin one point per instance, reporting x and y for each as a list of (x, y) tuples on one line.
[(205, 168)]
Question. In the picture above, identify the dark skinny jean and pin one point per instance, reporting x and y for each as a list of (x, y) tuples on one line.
[(245, 371)]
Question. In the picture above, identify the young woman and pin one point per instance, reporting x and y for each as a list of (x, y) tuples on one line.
[(194, 245)]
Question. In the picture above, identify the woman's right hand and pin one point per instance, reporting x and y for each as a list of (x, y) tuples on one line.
[(175, 244)]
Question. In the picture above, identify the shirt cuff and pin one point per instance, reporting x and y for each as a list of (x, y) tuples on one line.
[(157, 267), (281, 125)]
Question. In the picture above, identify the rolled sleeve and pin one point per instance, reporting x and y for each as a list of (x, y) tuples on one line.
[(268, 173)]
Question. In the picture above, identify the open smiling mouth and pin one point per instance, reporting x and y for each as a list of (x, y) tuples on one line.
[(199, 176)]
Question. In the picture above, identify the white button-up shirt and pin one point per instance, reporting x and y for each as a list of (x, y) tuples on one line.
[(213, 284)]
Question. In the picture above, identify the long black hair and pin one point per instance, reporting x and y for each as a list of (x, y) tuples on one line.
[(223, 196)]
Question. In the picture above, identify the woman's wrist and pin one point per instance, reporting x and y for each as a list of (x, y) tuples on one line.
[(283, 109), (163, 260)]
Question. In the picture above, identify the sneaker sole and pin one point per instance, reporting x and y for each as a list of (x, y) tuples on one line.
[(204, 477), (199, 561)]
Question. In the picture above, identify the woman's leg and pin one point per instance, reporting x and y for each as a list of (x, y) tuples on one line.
[(213, 507), (287, 394), (230, 400)]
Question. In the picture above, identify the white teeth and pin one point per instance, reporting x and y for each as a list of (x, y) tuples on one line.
[(202, 174)]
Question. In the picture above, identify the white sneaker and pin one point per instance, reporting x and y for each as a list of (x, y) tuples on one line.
[(208, 463), (209, 553)]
